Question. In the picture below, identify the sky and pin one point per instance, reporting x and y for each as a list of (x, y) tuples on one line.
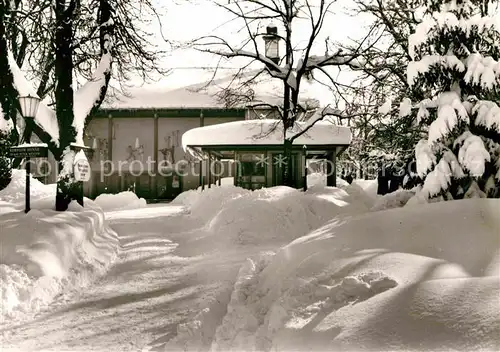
[(184, 20)]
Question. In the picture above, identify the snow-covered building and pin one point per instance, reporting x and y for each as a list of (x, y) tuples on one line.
[(132, 135), (254, 150)]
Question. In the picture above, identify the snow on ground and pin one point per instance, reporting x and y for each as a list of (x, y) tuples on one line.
[(121, 201), (45, 252), (419, 278), (146, 292), (227, 269), (249, 224)]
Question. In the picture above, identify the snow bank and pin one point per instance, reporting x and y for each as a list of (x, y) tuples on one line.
[(395, 199), (204, 204), (364, 191), (369, 186), (16, 190), (418, 278), (277, 214), (121, 201), (231, 217), (45, 252)]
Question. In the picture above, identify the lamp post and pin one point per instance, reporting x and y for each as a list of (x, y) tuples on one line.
[(29, 107)]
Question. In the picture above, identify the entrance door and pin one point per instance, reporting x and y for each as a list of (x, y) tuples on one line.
[(169, 186), (251, 171)]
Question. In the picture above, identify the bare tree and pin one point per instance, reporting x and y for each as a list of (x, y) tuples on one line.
[(381, 78), (61, 40), (298, 63), (30, 34), (58, 129)]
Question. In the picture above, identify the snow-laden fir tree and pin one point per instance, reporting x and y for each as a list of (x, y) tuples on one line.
[(455, 55)]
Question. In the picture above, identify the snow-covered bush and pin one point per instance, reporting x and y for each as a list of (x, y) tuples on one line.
[(455, 55)]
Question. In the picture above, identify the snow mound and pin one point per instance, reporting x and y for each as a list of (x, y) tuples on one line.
[(121, 201), (364, 191), (233, 217), (419, 278), (16, 190), (369, 186), (204, 204), (395, 199), (277, 213), (44, 253)]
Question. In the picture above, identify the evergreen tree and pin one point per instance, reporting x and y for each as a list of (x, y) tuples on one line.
[(455, 55)]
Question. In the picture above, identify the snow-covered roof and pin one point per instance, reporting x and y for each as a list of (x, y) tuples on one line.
[(204, 93), (264, 132)]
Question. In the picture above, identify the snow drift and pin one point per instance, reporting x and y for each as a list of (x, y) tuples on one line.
[(413, 278), (236, 224), (45, 252), (122, 201), (232, 216)]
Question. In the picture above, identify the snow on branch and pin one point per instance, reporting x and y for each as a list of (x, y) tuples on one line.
[(449, 114), (337, 59), (472, 154), (425, 157), (483, 71), (433, 25), (424, 65), (440, 178), (89, 95), (45, 117), (487, 114)]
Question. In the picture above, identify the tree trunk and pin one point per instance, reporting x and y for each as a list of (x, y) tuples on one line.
[(287, 169), (8, 102), (66, 184), (287, 144)]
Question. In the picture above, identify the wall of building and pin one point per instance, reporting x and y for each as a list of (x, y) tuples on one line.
[(145, 155)]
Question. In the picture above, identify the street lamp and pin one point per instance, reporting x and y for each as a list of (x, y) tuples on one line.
[(271, 40), (29, 106)]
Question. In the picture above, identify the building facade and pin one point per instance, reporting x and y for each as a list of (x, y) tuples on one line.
[(141, 150)]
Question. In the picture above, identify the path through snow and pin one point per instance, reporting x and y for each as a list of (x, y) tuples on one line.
[(147, 293)]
